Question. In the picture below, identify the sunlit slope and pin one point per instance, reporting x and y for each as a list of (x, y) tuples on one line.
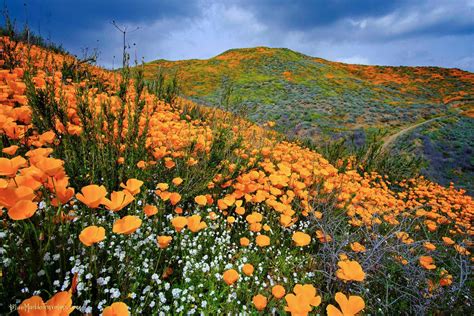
[(310, 96)]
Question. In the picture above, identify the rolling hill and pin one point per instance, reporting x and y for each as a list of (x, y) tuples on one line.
[(318, 99), (115, 200)]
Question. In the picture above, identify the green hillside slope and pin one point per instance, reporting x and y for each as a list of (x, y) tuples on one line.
[(314, 98)]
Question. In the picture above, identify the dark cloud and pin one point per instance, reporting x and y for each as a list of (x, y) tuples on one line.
[(368, 19), (67, 21), (395, 32), (307, 14), (92, 13)]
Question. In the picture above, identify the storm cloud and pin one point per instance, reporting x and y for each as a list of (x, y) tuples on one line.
[(398, 32)]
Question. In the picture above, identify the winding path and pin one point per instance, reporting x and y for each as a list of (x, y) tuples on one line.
[(391, 138)]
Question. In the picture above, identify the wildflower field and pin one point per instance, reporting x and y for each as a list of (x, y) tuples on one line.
[(117, 198)]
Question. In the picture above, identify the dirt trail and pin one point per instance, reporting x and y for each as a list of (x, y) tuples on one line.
[(391, 138)]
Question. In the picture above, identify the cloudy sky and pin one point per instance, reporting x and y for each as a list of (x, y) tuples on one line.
[(386, 32)]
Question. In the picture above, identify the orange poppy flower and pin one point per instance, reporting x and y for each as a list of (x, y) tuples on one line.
[(118, 200), (175, 198), (357, 247), (22, 209), (427, 262), (462, 250), (162, 186), (33, 306), (92, 195), (35, 173), (350, 306), (127, 225), (10, 150), (230, 276), (229, 200), (429, 246), (177, 181), (301, 239), (248, 269), (59, 304), (169, 164), (285, 220), (165, 195), (303, 301), (260, 302), (446, 278), (63, 195), (323, 238), (74, 129), (244, 241), (448, 241), (27, 180), (191, 162), (343, 256), (47, 137), (11, 195), (222, 205), (255, 227), (240, 210), (262, 240), (116, 309), (132, 186), (309, 291), (350, 270), (164, 241), (179, 222), (195, 224), (9, 167), (91, 235), (36, 154), (278, 291), (200, 200), (254, 218), (150, 210), (50, 166), (404, 237)]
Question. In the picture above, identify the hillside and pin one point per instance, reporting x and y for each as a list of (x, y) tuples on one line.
[(318, 99), (115, 201)]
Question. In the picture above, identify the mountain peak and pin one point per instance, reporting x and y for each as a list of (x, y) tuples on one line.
[(237, 53)]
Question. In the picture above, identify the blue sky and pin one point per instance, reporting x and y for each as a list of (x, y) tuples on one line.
[(385, 32)]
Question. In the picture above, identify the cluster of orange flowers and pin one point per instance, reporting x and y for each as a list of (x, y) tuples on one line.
[(19, 189), (303, 299)]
